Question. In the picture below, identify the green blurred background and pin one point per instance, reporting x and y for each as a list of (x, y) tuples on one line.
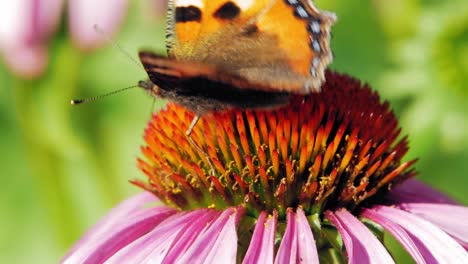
[(63, 167)]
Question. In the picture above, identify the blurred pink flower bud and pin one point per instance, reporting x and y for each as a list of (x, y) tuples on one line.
[(25, 26), (86, 14), (27, 61)]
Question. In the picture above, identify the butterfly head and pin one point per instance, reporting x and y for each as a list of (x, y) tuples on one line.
[(150, 87)]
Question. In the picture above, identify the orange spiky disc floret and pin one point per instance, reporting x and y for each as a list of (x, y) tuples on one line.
[(336, 148)]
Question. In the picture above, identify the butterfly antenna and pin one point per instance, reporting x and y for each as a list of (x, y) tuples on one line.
[(116, 45), (87, 100)]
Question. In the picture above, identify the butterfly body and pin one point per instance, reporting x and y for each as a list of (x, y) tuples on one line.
[(203, 95), (243, 54)]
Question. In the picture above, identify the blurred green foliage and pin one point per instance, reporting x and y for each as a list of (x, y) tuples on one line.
[(63, 167)]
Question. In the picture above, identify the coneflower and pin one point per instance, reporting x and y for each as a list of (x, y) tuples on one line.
[(318, 180)]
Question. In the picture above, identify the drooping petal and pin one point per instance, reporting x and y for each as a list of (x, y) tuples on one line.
[(119, 228), (125, 208), (413, 191), (218, 241), (85, 15), (262, 244), (361, 245), (398, 232), (117, 215), (287, 251), (105, 246), (450, 218), (433, 244), (253, 251), (225, 247), (156, 244), (307, 249), (297, 244), (189, 235)]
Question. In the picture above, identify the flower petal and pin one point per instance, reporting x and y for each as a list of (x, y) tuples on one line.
[(413, 191), (155, 245), (121, 212), (447, 217), (434, 245), (135, 227), (287, 251), (189, 235), (219, 241), (112, 220), (399, 233), (86, 14), (361, 245), (262, 244), (110, 236), (307, 249), (225, 247)]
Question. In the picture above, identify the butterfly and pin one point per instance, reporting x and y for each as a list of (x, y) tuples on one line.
[(239, 54)]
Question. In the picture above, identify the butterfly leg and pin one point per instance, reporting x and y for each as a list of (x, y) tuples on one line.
[(198, 148)]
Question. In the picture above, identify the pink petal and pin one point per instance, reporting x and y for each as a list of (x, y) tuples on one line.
[(298, 244), (361, 245), (262, 244), (256, 241), (433, 244), (225, 247), (450, 218), (307, 251), (189, 235), (105, 246), (287, 251), (121, 226), (155, 245), (413, 191), (219, 240), (399, 233), (84, 15), (113, 218)]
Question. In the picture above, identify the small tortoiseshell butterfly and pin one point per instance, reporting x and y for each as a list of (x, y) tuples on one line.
[(241, 53)]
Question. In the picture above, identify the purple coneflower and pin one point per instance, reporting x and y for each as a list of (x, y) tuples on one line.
[(318, 180)]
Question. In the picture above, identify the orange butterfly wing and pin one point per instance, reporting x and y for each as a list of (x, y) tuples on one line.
[(293, 57), (192, 19)]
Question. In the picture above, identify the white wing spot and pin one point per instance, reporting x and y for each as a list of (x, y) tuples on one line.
[(181, 3), (244, 4), (315, 27)]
